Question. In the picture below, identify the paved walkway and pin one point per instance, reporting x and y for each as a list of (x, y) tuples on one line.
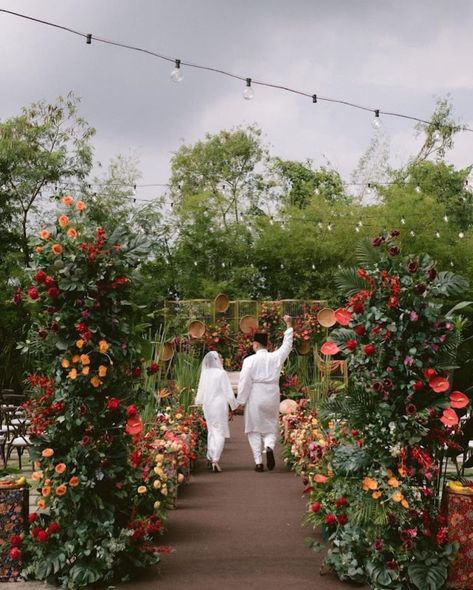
[(236, 530)]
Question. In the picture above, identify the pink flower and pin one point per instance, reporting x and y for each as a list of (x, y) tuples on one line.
[(413, 316)]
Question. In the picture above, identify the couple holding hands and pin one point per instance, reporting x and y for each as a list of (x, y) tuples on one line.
[(258, 392)]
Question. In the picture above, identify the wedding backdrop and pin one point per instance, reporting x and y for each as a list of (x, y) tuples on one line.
[(110, 299)]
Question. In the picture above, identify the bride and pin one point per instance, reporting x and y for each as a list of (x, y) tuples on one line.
[(215, 394)]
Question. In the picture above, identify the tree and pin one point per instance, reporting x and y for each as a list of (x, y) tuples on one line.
[(45, 145)]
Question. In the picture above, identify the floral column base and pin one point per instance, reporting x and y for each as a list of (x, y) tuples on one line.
[(14, 506), (460, 529)]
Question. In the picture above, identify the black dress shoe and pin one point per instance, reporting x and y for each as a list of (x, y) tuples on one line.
[(259, 467), (270, 462)]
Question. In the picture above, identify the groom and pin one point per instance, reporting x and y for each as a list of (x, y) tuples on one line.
[(258, 389)]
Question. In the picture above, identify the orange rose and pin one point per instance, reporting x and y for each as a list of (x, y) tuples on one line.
[(102, 370), (56, 248), (60, 468), (37, 464), (37, 475), (46, 491), (85, 370), (44, 234), (72, 233), (376, 495), (76, 357), (404, 503), (95, 381), (142, 490), (103, 346), (61, 490), (63, 220), (85, 359), (65, 364), (72, 374), (47, 453), (39, 249), (397, 497), (68, 200), (41, 503), (80, 343), (80, 205), (74, 481)]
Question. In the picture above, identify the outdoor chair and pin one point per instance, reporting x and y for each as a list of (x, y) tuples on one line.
[(14, 431)]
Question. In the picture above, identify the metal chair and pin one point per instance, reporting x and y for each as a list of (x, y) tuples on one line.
[(14, 430)]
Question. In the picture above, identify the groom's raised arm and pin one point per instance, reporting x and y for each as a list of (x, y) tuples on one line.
[(244, 383), (286, 346)]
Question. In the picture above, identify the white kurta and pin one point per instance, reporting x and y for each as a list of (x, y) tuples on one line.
[(215, 397), (258, 388)]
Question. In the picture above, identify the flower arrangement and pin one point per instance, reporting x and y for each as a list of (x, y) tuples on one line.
[(97, 520), (375, 483)]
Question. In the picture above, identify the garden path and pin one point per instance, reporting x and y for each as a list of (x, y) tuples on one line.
[(238, 530)]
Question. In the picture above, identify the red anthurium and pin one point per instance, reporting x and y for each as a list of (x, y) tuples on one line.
[(449, 417), (458, 400), (439, 384), (343, 316), (329, 348), (134, 425)]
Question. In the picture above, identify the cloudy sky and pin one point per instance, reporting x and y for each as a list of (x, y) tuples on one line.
[(394, 55)]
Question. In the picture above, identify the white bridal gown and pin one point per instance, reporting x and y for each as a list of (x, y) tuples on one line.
[(215, 394), (258, 390)]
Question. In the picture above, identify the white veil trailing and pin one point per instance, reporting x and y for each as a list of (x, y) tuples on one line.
[(207, 376)]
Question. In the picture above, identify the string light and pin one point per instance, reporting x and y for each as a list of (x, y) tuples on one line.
[(461, 235), (313, 266), (176, 74), (329, 227), (418, 189), (437, 234), (248, 93), (376, 123), (445, 218), (451, 264), (357, 229), (412, 233), (403, 221), (218, 71), (223, 264), (282, 266), (436, 136)]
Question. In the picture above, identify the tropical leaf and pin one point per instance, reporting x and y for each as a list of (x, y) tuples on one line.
[(427, 577), (457, 307), (348, 281), (448, 353), (449, 284), (367, 254), (356, 406)]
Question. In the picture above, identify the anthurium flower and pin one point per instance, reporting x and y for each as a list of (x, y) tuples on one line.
[(343, 316), (319, 478), (458, 400), (329, 348), (449, 417), (439, 384), (134, 425)]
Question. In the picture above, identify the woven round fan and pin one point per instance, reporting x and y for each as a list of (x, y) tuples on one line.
[(221, 303), (326, 317), (166, 352), (196, 329), (303, 347), (248, 323)]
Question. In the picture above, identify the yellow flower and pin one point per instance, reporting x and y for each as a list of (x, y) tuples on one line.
[(95, 381), (65, 364), (164, 491), (181, 477), (72, 374), (142, 490), (103, 346), (85, 359), (102, 370), (393, 482), (85, 370), (80, 343)]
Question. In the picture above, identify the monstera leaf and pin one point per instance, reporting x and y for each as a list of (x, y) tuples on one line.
[(427, 577), (348, 459)]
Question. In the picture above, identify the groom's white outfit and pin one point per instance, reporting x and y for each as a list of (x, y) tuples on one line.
[(258, 390)]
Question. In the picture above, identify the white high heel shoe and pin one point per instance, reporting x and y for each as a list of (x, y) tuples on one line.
[(216, 468)]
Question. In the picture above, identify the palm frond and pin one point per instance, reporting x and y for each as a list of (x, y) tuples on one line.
[(356, 406), (369, 512), (366, 254), (449, 350), (348, 281)]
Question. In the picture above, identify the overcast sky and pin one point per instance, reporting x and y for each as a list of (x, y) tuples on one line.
[(395, 55)]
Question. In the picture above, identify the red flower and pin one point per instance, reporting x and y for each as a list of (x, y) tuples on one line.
[(42, 536), (53, 292), (136, 372), (377, 241), (358, 307), (394, 250), (315, 507), (343, 316), (153, 368), (439, 384), (351, 344), (330, 519), (449, 418), (53, 528), (458, 400), (49, 282), (131, 411), (418, 385), (40, 276), (342, 519), (411, 409), (113, 404), (134, 426), (329, 348), (369, 349), (412, 266), (15, 540), (341, 502), (33, 517), (359, 330), (15, 553), (429, 373), (33, 293)]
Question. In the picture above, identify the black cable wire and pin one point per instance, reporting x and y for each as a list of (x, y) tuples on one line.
[(89, 37)]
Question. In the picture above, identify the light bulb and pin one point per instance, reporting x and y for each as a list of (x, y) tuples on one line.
[(403, 221), (313, 266), (376, 122), (329, 227), (195, 262), (176, 74), (360, 223), (418, 189), (436, 135), (248, 93), (445, 218), (282, 266), (223, 264), (357, 229), (461, 235), (412, 233), (437, 234), (451, 264)]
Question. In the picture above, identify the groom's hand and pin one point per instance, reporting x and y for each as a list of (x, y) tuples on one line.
[(288, 320)]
